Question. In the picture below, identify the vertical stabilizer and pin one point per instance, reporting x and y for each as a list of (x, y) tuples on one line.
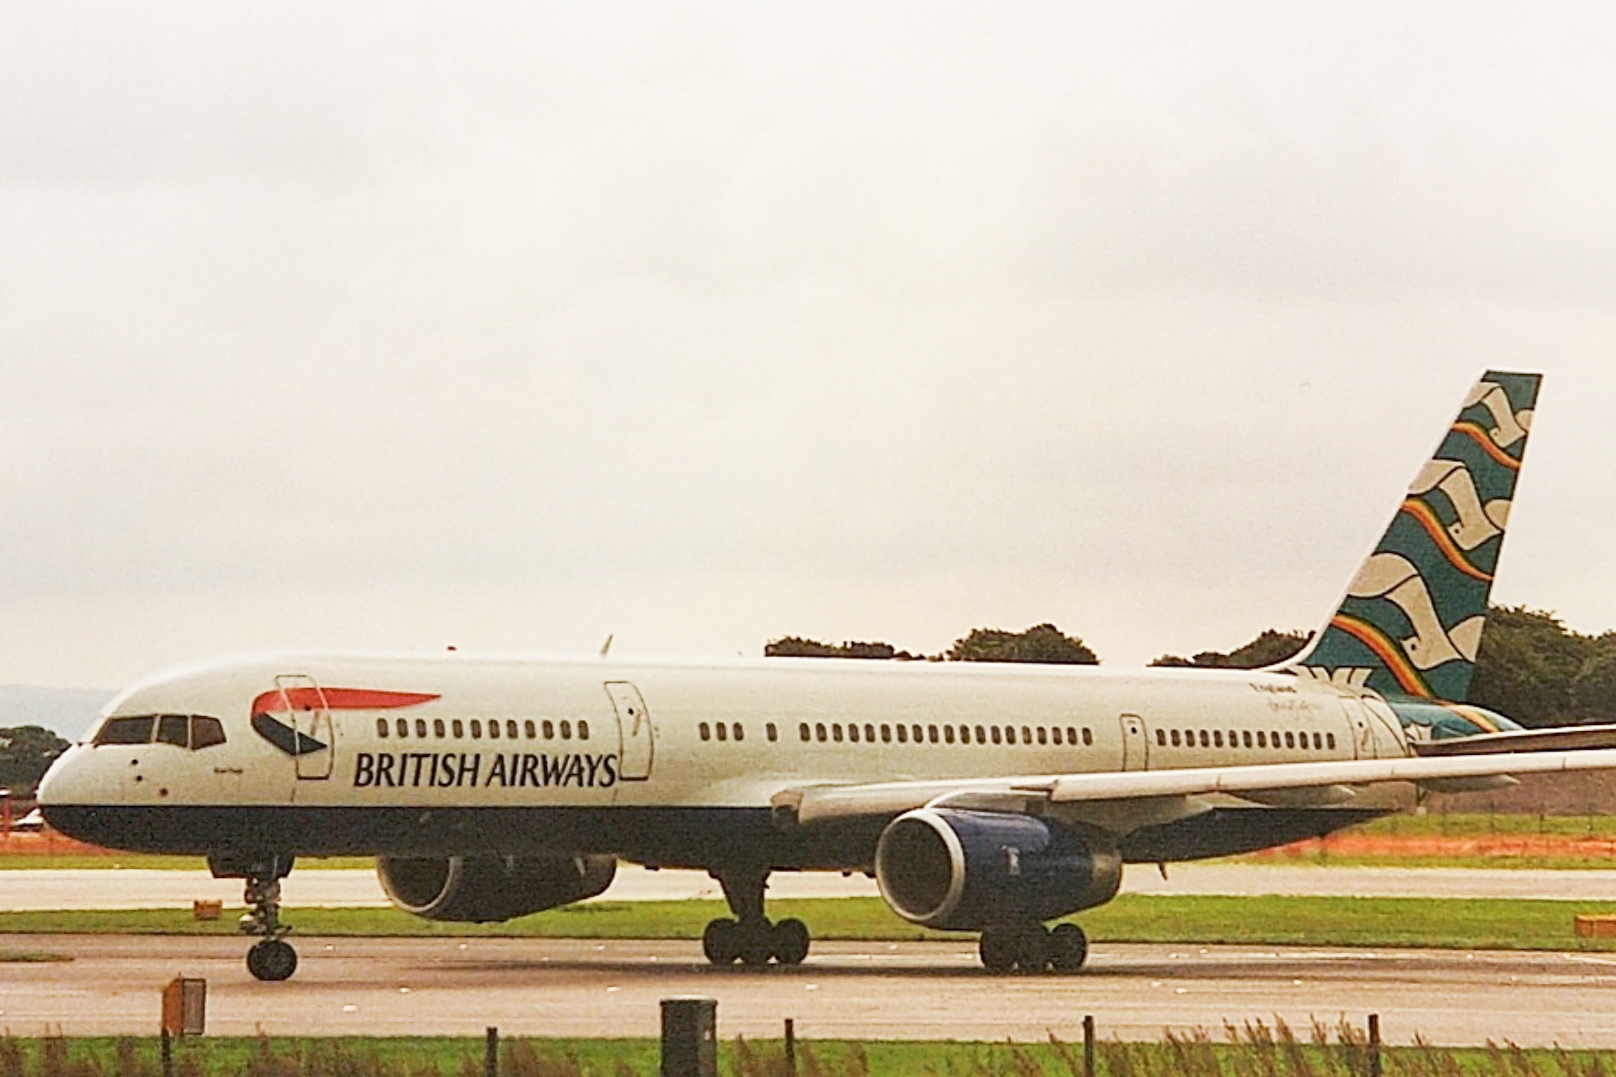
[(1411, 620)]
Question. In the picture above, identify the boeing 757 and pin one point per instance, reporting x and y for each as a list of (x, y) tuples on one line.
[(983, 798)]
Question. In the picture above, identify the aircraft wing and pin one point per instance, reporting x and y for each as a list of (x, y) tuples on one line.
[(812, 804)]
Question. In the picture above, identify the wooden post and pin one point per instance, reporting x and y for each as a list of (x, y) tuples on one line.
[(791, 1043), (167, 1047), (1088, 1045), (1374, 1045), (491, 1052)]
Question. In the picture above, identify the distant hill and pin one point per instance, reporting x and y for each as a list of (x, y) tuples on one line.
[(68, 711)]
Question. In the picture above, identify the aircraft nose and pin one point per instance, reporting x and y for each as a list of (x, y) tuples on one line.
[(72, 781)]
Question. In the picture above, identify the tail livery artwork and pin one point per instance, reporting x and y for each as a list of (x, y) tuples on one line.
[(983, 798)]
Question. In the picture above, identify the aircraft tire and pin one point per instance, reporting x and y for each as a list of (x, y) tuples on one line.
[(790, 941), (1033, 949), (721, 941), (997, 948), (1068, 948), (272, 960), (757, 944)]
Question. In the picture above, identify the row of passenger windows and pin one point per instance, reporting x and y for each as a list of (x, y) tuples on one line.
[(510, 728), (1244, 738), (945, 734), (191, 731)]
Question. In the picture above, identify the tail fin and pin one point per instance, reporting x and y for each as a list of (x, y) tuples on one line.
[(1411, 620)]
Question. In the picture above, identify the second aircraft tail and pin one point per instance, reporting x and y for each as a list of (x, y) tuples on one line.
[(1411, 621)]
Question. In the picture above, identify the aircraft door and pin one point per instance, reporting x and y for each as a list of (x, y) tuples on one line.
[(1363, 736), (310, 718), (1135, 745), (634, 732)]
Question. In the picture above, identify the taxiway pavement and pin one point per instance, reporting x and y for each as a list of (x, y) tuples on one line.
[(548, 987), (134, 888)]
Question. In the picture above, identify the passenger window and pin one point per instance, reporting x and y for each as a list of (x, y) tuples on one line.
[(819, 731), (1245, 738), (402, 727), (1088, 736), (1206, 742), (1262, 739), (583, 729), (476, 729), (903, 734), (1329, 740), (719, 728), (459, 727), (869, 733), (852, 732), (886, 733), (549, 729), (1161, 737), (420, 727), (996, 734), (1026, 735), (802, 731), (493, 728), (381, 727), (704, 731), (173, 729), (1175, 738), (205, 731), (772, 731), (530, 729), (437, 728), (566, 729), (980, 739), (948, 734), (510, 728), (836, 732), (1055, 735), (1318, 742), (1290, 740), (1071, 735), (1217, 738), (1043, 735)]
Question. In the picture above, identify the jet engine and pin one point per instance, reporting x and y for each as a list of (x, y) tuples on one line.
[(488, 888), (967, 870)]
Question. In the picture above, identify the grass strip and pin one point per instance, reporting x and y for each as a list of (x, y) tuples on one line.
[(1253, 1048), (1315, 921)]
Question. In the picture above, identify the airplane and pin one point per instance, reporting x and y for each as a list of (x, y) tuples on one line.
[(988, 798)]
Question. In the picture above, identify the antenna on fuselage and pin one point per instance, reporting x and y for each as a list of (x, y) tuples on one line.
[(607, 646)]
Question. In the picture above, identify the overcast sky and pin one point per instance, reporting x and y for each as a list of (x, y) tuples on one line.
[(397, 326)]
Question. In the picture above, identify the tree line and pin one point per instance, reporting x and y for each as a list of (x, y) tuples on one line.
[(1530, 668)]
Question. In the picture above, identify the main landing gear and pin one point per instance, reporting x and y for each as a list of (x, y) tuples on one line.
[(272, 957), (1028, 946), (750, 937)]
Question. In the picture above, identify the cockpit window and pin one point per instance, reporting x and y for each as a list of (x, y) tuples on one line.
[(126, 730), (172, 729), (205, 731), (181, 730)]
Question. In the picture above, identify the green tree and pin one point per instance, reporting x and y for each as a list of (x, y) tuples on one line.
[(1271, 647), (25, 753), (1528, 665), (1593, 692), (798, 647), (1040, 643)]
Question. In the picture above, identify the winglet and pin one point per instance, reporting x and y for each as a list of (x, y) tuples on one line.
[(1411, 621)]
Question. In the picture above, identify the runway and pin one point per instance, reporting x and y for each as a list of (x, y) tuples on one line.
[(309, 887), (533, 987)]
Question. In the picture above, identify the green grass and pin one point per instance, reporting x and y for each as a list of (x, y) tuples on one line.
[(1317, 921), (1251, 1049)]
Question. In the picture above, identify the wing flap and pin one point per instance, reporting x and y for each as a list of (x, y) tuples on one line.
[(1262, 782)]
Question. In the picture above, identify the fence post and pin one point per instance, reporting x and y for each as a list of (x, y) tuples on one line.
[(1374, 1045), (167, 1047), (791, 1043), (1088, 1045), (491, 1052)]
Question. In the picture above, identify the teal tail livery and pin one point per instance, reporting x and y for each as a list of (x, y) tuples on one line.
[(1411, 621)]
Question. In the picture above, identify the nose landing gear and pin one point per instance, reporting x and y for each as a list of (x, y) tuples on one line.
[(272, 957)]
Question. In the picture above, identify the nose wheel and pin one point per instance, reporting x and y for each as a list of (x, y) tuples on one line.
[(272, 957)]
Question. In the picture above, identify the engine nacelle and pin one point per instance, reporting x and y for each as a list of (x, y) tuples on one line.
[(966, 870), (488, 888)]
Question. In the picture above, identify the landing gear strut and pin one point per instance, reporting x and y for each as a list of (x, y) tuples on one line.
[(272, 957), (1028, 946), (750, 937)]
